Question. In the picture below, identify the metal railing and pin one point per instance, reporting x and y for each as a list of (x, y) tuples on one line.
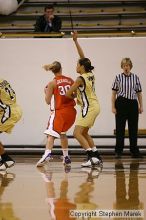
[(29, 34), (109, 33)]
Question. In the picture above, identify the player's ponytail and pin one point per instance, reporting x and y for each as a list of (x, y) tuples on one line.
[(55, 67)]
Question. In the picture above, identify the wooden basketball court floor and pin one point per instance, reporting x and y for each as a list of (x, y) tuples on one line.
[(55, 193)]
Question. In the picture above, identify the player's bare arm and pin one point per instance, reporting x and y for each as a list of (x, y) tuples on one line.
[(49, 92), (71, 93), (79, 49), (113, 99), (140, 102)]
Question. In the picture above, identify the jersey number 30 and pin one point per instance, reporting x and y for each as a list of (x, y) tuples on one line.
[(63, 89)]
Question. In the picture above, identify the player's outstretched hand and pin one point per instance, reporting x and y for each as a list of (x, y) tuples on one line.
[(74, 35)]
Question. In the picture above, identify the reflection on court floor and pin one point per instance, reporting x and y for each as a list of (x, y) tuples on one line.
[(57, 193)]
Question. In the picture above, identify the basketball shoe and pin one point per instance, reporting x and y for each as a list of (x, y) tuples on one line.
[(67, 161), (97, 155), (67, 164), (92, 160), (6, 162), (45, 158)]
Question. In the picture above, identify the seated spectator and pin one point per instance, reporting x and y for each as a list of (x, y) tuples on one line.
[(9, 6), (48, 22)]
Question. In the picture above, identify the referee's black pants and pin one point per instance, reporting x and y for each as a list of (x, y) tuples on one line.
[(127, 110)]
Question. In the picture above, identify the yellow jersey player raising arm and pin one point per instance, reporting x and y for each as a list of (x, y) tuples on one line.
[(10, 113), (86, 97)]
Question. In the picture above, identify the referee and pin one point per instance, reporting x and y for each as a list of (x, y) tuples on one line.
[(126, 105)]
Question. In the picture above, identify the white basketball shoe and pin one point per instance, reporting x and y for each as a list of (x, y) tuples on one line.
[(45, 158)]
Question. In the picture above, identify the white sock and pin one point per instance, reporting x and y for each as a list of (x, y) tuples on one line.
[(47, 152), (89, 149), (94, 149), (65, 152)]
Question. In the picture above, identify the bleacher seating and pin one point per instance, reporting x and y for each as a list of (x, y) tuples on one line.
[(89, 17)]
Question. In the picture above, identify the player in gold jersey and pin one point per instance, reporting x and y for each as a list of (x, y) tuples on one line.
[(10, 114), (84, 86)]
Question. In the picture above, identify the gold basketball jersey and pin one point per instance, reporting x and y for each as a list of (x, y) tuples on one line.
[(10, 112), (7, 94), (86, 93)]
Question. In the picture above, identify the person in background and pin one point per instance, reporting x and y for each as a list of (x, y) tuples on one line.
[(63, 113), (84, 86), (127, 105), (10, 114), (48, 22)]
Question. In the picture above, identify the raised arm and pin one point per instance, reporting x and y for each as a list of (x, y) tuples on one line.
[(79, 49)]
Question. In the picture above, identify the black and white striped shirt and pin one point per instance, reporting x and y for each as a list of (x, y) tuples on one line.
[(127, 86)]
